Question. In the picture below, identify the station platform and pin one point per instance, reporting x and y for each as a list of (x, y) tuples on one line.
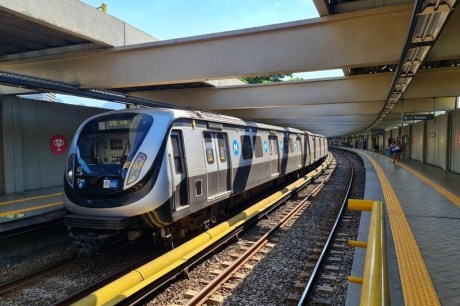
[(422, 205), (32, 207)]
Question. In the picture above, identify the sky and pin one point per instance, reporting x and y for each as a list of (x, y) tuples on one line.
[(170, 19)]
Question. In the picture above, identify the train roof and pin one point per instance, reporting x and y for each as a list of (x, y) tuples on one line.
[(214, 117)]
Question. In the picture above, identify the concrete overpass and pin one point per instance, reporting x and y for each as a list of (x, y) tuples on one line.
[(366, 40)]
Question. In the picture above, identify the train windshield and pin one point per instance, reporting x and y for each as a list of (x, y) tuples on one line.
[(108, 144)]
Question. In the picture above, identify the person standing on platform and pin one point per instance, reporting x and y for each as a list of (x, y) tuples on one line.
[(397, 152)]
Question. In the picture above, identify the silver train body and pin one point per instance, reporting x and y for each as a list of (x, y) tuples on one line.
[(150, 168)]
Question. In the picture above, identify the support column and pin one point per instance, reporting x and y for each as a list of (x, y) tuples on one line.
[(11, 165)]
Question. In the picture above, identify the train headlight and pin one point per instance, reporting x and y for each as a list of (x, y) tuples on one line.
[(69, 169), (136, 167)]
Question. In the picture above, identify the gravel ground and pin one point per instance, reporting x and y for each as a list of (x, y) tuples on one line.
[(13, 267)]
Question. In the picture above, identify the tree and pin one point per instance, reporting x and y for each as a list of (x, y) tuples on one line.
[(266, 78)]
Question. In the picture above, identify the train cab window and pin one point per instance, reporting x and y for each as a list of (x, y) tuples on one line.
[(291, 145), (258, 150), (208, 147), (107, 142), (246, 147), (222, 148)]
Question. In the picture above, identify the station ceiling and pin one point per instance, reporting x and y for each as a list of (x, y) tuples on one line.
[(394, 62)]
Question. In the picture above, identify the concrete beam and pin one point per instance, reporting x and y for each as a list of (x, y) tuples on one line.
[(321, 7), (424, 105), (448, 44), (302, 111), (79, 19), (340, 90), (346, 40), (8, 90), (443, 82)]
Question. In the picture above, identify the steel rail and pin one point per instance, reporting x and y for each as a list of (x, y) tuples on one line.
[(20, 281), (315, 273)]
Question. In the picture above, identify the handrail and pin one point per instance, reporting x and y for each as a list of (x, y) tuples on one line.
[(375, 285)]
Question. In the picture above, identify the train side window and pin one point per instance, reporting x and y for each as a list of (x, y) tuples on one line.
[(291, 145), (177, 153), (208, 147), (258, 150), (246, 147), (222, 148)]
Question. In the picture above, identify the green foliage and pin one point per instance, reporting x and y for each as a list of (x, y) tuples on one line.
[(266, 78)]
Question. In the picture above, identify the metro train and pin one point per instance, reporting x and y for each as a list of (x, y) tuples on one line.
[(168, 172)]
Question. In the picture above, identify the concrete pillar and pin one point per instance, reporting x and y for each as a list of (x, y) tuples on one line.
[(11, 166)]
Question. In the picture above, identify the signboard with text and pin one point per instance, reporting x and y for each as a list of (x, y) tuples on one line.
[(377, 132), (419, 117)]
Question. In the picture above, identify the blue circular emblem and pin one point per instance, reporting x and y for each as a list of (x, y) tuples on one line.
[(236, 149), (265, 146)]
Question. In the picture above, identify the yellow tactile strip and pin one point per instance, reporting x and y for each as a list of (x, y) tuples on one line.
[(415, 279), (20, 211), (31, 198)]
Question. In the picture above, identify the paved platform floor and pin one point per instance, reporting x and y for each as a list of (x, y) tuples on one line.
[(30, 207), (433, 216)]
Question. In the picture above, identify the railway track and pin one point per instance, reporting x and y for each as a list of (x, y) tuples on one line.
[(283, 218), (250, 252), (36, 275), (66, 281), (318, 283)]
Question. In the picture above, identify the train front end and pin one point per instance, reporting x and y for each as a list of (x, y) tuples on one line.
[(114, 174)]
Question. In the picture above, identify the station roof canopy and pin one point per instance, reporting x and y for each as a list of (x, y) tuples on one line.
[(397, 57)]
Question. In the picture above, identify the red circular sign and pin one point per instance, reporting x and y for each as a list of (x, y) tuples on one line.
[(58, 144)]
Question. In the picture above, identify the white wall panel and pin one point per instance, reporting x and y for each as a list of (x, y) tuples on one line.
[(417, 141), (437, 142), (455, 152), (27, 126)]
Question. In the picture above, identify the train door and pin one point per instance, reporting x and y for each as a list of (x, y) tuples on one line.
[(299, 150), (222, 162), (274, 154), (179, 173), (218, 172), (308, 155), (315, 153)]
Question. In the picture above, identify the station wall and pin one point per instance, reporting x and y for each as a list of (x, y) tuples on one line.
[(455, 141), (417, 141), (436, 141), (34, 140)]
